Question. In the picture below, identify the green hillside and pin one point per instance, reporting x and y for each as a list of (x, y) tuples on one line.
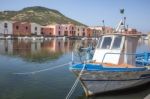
[(37, 14)]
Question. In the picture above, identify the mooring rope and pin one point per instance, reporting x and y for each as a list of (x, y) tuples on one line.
[(75, 83), (38, 71)]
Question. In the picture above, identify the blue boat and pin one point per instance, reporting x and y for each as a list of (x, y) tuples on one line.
[(114, 65)]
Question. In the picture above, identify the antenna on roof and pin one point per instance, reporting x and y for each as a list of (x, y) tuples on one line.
[(122, 11), (121, 27), (123, 19), (103, 27)]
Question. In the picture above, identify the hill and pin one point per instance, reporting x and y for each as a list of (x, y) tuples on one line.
[(37, 14)]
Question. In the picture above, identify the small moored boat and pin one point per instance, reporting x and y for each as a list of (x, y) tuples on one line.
[(113, 66)]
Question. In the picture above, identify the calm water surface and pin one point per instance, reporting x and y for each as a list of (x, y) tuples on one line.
[(28, 56)]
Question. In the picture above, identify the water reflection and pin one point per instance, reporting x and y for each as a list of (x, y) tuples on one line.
[(38, 51), (144, 46)]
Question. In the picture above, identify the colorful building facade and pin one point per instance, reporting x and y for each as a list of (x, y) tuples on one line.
[(81, 31), (6, 27), (47, 31), (35, 29), (21, 29)]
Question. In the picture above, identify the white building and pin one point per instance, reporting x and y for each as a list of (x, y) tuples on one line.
[(35, 29), (6, 27)]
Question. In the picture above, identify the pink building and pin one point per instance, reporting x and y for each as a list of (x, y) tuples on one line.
[(57, 28), (69, 29), (81, 31)]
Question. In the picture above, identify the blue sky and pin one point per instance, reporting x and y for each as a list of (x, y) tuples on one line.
[(92, 12)]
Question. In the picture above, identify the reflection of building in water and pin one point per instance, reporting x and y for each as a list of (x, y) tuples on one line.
[(27, 48), (6, 47), (58, 45), (36, 46), (21, 48)]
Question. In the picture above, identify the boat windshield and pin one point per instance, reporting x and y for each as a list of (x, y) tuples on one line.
[(106, 43), (117, 42), (99, 42)]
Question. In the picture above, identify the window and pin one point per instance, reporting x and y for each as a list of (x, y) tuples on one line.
[(5, 25), (26, 27), (59, 33), (83, 34), (106, 43), (35, 28), (17, 27), (117, 42)]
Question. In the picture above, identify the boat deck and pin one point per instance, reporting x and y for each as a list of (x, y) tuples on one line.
[(124, 65)]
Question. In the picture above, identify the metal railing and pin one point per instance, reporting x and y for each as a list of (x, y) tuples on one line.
[(145, 60)]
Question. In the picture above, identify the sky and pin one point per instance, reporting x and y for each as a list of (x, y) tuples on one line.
[(92, 12)]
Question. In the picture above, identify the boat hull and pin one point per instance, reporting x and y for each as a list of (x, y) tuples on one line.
[(103, 81)]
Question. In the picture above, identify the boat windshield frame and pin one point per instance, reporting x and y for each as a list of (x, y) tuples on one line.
[(113, 42)]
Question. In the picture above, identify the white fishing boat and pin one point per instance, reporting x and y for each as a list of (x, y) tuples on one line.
[(114, 65)]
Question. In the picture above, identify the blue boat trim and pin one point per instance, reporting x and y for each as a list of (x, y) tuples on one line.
[(98, 67)]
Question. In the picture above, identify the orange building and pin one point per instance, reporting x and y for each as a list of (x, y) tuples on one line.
[(47, 31), (89, 32)]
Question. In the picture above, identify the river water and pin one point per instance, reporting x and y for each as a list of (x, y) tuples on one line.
[(27, 71)]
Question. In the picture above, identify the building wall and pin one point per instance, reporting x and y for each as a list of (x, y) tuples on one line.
[(68, 30), (99, 30), (47, 31), (58, 30), (6, 27), (65, 30), (35, 29), (81, 31), (22, 29), (89, 32)]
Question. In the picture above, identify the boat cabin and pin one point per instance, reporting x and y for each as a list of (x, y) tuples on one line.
[(116, 49)]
